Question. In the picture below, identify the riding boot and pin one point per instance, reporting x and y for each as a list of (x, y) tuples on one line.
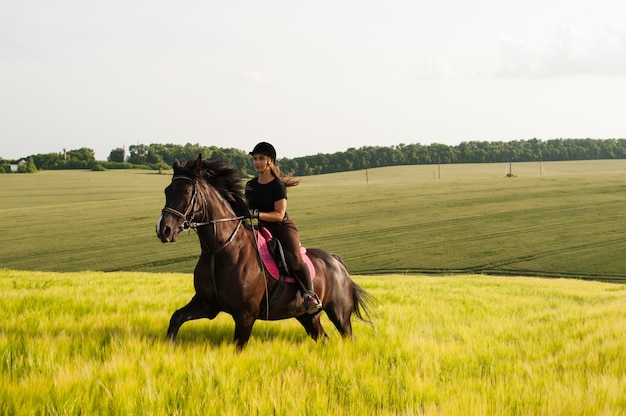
[(312, 303)]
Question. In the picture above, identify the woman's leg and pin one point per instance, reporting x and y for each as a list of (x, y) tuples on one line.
[(290, 239)]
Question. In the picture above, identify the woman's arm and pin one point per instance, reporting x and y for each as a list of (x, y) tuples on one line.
[(280, 207)]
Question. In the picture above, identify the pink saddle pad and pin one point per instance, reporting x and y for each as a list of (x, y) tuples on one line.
[(268, 260)]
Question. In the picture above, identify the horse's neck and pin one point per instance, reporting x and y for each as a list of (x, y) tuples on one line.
[(218, 212)]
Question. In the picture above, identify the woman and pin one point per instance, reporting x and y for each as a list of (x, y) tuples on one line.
[(266, 196)]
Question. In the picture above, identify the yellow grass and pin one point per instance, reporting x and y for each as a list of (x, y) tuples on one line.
[(93, 343)]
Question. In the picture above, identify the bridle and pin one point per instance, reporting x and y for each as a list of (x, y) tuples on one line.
[(193, 208)]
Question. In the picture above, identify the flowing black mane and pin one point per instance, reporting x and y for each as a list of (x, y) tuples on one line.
[(226, 179)]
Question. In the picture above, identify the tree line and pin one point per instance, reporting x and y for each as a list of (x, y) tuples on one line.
[(466, 152), (162, 156), (83, 158)]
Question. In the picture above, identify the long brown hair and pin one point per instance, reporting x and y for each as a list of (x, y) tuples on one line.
[(287, 179)]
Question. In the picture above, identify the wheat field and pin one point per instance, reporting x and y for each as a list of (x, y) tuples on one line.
[(94, 343)]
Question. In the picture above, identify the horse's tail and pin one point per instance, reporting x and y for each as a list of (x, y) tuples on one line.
[(364, 302)]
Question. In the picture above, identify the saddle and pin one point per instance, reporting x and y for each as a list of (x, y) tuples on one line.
[(275, 249), (273, 258)]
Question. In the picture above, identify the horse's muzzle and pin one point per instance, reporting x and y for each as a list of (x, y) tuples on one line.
[(165, 232)]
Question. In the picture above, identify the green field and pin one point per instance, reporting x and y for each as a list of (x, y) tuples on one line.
[(92, 343), (554, 219)]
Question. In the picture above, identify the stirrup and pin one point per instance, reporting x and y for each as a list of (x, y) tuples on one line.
[(312, 303)]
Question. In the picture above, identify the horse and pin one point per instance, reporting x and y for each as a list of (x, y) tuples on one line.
[(208, 196)]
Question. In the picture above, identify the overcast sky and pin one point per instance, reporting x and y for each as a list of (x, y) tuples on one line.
[(309, 76)]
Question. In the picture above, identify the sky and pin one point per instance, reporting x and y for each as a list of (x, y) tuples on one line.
[(308, 76)]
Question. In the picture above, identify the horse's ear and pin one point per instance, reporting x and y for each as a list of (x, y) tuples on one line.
[(199, 162), (176, 164)]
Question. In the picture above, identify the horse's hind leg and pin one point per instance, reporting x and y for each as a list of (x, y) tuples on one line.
[(341, 320), (313, 326), (195, 309)]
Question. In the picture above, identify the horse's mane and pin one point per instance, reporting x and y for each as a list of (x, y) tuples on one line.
[(226, 179)]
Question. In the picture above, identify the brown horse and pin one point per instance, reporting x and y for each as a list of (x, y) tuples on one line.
[(207, 195)]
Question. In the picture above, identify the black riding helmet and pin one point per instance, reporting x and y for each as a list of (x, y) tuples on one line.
[(264, 148)]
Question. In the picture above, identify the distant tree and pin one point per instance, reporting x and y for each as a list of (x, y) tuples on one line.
[(48, 161), (138, 154), (5, 166), (83, 158), (117, 155)]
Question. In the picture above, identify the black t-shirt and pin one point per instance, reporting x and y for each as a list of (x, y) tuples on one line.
[(262, 196)]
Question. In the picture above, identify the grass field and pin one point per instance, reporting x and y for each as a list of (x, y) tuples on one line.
[(554, 219), (93, 343), (84, 313)]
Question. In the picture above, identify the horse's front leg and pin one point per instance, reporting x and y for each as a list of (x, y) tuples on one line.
[(195, 309), (243, 328)]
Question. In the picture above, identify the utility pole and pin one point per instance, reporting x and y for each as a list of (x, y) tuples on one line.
[(439, 165), (510, 159)]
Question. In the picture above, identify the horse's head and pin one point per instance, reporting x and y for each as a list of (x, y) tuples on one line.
[(180, 201), (198, 187)]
